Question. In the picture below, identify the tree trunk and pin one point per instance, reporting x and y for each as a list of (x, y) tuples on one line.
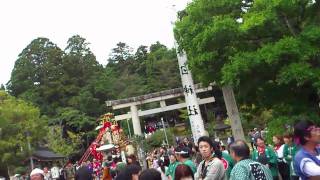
[(9, 174), (233, 112)]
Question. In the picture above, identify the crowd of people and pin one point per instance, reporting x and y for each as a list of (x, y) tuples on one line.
[(290, 157), (56, 172)]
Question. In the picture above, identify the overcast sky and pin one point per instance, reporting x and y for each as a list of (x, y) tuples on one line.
[(102, 22)]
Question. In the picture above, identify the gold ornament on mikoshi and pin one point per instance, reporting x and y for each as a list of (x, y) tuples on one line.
[(113, 133)]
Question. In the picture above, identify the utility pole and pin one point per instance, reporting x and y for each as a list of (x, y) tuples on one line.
[(129, 128), (165, 132), (29, 149)]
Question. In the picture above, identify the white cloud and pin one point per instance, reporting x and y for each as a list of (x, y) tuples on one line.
[(102, 22)]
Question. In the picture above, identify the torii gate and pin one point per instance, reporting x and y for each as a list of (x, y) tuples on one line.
[(160, 97)]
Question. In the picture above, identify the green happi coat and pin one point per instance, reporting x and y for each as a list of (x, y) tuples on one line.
[(171, 169), (289, 151), (271, 158), (248, 169), (191, 165), (230, 161)]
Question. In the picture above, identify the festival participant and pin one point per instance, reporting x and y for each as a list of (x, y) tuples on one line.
[(289, 152), (83, 173), (155, 164), (224, 149), (63, 174), (266, 156), (46, 174), (96, 167), (131, 172), (307, 159), (149, 160), (183, 172), (256, 135), (278, 149), (187, 143), (172, 166), (162, 152), (197, 158), (55, 172), (251, 136), (120, 166), (150, 174), (106, 169), (226, 159), (211, 168), (131, 159), (89, 166), (37, 174), (183, 156), (245, 168), (162, 169), (70, 172)]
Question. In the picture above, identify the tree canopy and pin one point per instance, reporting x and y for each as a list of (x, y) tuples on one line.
[(70, 86), (20, 123), (267, 50)]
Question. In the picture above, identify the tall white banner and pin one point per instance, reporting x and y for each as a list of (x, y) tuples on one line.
[(190, 95)]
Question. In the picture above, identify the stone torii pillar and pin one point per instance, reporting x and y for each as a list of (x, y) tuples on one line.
[(233, 112), (135, 120), (137, 131)]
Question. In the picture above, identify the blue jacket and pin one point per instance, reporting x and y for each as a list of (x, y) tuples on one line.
[(304, 156)]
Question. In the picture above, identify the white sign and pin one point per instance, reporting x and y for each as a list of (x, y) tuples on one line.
[(193, 108)]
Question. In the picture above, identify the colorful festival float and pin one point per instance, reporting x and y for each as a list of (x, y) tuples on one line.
[(109, 141)]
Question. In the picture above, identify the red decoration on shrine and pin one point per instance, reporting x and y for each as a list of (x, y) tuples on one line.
[(109, 132), (115, 128), (106, 125), (93, 150)]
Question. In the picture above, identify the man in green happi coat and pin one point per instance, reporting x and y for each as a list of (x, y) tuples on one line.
[(266, 156), (289, 151), (172, 166), (246, 168)]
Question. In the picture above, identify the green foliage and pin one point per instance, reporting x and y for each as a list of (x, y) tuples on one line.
[(36, 74), (253, 116), (120, 54), (125, 125), (70, 87), (64, 146), (183, 112), (281, 125), (139, 141), (20, 170), (209, 33), (76, 120), (157, 139), (268, 50), (211, 124), (20, 122)]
